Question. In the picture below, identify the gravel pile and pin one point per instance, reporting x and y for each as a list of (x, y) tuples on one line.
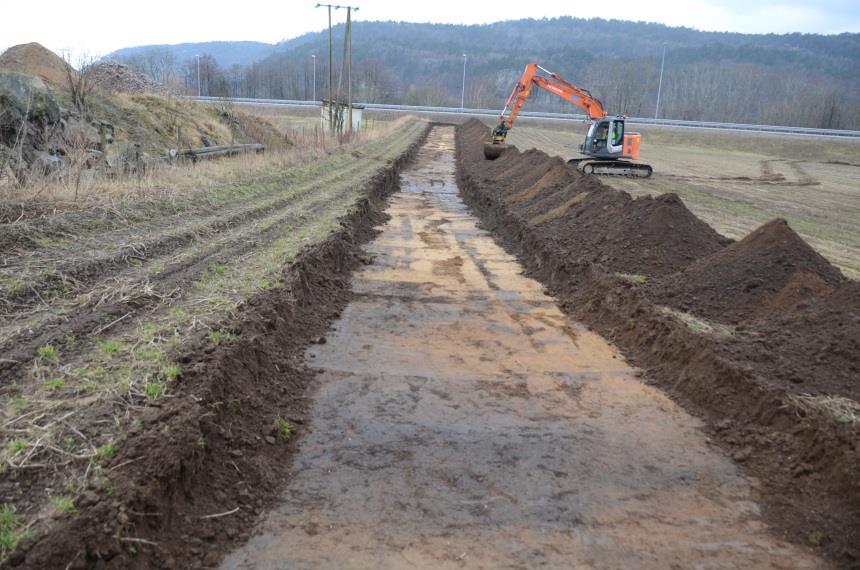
[(114, 77)]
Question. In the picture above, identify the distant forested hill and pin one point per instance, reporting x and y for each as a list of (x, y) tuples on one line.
[(801, 79), (226, 53)]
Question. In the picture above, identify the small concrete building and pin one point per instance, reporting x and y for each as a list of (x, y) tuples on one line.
[(339, 111)]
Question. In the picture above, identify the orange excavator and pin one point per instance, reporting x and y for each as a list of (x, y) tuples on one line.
[(607, 149)]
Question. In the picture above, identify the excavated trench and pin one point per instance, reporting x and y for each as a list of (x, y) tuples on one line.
[(759, 338), (460, 419)]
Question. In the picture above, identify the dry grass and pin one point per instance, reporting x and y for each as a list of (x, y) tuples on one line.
[(306, 120), (81, 187), (699, 325), (836, 408)]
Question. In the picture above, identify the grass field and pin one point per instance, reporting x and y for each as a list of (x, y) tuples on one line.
[(738, 181), (305, 122)]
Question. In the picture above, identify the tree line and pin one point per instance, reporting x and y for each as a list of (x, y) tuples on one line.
[(795, 79)]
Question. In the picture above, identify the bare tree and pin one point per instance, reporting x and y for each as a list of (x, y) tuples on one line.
[(78, 80)]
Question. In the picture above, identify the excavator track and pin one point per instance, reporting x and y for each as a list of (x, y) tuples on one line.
[(612, 167)]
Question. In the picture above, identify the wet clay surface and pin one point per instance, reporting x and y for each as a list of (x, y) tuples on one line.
[(461, 420)]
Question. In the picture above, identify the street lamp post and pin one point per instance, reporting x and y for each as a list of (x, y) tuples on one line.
[(198, 74), (463, 92), (660, 84), (314, 56)]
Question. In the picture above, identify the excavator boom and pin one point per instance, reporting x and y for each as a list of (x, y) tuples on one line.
[(554, 84)]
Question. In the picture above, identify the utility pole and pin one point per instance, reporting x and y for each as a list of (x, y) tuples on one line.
[(348, 52), (463, 92), (314, 56), (660, 84), (348, 40), (330, 67), (198, 74)]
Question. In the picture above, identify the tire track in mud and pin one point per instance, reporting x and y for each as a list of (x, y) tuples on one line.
[(82, 270), (155, 289), (247, 229)]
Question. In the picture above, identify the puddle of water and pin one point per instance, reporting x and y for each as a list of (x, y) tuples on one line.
[(462, 421)]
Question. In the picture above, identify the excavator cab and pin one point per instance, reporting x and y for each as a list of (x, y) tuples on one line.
[(605, 138)]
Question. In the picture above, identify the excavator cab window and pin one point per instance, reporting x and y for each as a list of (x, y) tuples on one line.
[(617, 133), (600, 135)]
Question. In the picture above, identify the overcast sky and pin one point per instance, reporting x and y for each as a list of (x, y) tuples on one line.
[(98, 27)]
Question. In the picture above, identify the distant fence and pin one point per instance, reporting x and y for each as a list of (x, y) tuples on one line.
[(802, 131)]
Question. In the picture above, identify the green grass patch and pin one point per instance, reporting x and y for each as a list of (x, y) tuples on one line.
[(154, 390), (48, 352), (14, 286), (18, 405), (16, 446), (54, 384), (171, 372), (149, 331), (111, 346), (11, 528), (217, 337), (149, 353), (106, 451), (283, 430), (64, 505)]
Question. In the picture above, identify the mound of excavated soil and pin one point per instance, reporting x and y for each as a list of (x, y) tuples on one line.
[(115, 77), (650, 236), (35, 59), (591, 222), (770, 270), (816, 347)]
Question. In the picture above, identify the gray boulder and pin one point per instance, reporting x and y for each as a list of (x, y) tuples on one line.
[(24, 97)]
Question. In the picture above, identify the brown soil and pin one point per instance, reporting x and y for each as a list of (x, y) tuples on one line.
[(738, 384), (35, 59), (795, 296), (594, 223), (213, 448), (813, 347), (761, 274)]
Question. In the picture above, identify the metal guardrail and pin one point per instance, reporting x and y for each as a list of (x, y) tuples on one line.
[(804, 131)]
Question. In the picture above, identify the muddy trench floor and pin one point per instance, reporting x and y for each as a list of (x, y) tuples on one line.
[(460, 419)]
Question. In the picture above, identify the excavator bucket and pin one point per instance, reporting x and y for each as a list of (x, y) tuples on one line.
[(492, 151)]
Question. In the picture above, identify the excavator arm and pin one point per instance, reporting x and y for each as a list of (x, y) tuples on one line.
[(555, 85)]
